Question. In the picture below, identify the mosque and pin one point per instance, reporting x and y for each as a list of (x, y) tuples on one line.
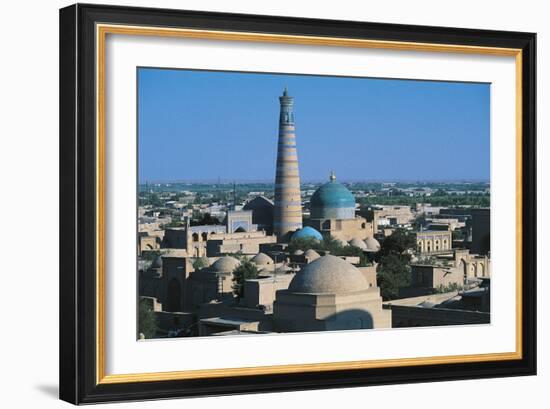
[(191, 289), (332, 205), (305, 291)]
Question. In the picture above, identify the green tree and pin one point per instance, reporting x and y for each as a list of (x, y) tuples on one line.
[(175, 222), (304, 243), (205, 219), (459, 234), (147, 320), (400, 242), (419, 221), (245, 271), (393, 273), (150, 255), (332, 245), (352, 251), (154, 200), (200, 263)]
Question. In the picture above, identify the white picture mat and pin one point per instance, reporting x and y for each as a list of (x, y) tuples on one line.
[(125, 355)]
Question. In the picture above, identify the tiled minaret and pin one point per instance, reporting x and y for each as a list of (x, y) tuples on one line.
[(287, 216)]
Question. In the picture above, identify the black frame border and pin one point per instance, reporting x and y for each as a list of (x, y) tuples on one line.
[(78, 197)]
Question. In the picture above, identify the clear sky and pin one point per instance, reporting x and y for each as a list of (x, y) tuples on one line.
[(203, 125)]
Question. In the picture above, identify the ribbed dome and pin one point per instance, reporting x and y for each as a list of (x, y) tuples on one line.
[(358, 243), (225, 264), (262, 259), (332, 201), (311, 254), (328, 274), (307, 232), (372, 244)]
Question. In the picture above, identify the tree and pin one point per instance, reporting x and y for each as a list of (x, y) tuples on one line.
[(175, 222), (459, 234), (332, 245), (205, 219), (304, 243), (352, 251), (200, 263), (394, 272), (419, 221), (147, 319), (154, 200), (245, 271), (400, 242), (150, 255)]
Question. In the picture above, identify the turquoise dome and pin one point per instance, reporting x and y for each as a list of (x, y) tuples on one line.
[(332, 201), (307, 233)]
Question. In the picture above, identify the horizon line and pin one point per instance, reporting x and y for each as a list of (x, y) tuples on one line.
[(265, 181)]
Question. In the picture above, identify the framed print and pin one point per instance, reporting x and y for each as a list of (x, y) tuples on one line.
[(257, 203)]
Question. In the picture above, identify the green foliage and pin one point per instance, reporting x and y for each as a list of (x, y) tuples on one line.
[(200, 263), (448, 288), (394, 272), (480, 199), (150, 255), (239, 255), (151, 199), (176, 222), (419, 221), (205, 219), (400, 242), (147, 320), (247, 270), (304, 243), (459, 234), (332, 245)]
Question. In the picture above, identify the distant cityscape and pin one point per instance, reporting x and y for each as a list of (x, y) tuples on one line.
[(230, 258)]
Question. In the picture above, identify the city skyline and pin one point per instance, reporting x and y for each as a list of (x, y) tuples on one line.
[(342, 124)]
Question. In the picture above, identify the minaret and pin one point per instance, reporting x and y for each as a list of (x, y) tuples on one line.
[(287, 216)]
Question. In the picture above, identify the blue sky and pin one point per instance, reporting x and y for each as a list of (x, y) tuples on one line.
[(204, 125)]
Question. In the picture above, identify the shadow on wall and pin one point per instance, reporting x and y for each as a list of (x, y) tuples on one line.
[(349, 319)]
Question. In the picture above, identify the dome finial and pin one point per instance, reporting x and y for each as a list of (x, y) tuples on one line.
[(332, 176)]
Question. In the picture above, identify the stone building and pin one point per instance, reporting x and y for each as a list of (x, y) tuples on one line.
[(333, 213), (457, 270), (434, 241), (262, 213), (395, 215), (147, 242), (211, 283), (239, 221), (329, 294), (238, 235)]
